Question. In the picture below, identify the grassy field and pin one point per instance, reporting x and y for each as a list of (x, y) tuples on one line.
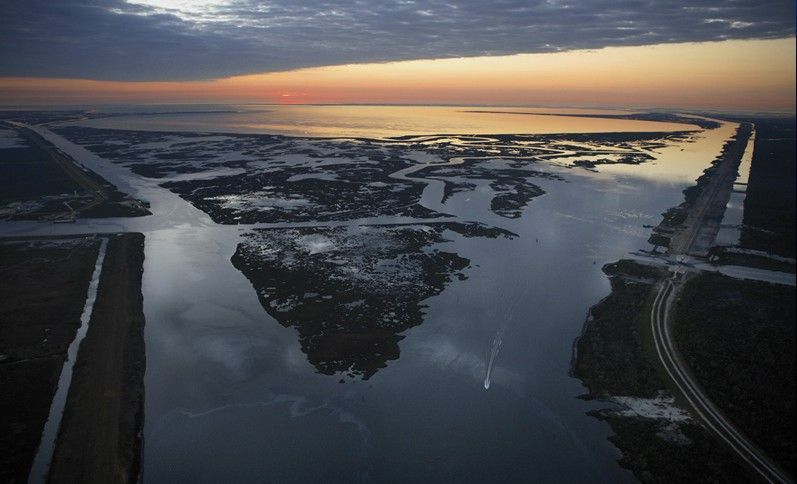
[(45, 284), (43, 291)]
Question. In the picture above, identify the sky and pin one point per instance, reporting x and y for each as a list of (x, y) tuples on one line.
[(735, 54)]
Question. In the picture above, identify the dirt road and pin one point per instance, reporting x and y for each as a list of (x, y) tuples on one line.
[(99, 438)]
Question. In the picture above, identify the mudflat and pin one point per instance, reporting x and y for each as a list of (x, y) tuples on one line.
[(99, 437)]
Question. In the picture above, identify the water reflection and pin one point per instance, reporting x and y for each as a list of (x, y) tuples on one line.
[(680, 163), (379, 121), (236, 393)]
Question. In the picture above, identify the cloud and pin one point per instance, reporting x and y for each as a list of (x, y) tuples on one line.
[(204, 39)]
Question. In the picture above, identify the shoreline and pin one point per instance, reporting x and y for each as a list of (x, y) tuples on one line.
[(44, 290), (100, 431), (633, 367)]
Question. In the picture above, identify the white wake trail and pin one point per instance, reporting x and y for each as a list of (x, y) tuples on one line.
[(496, 348)]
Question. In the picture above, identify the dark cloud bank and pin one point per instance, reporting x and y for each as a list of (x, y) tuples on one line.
[(112, 39)]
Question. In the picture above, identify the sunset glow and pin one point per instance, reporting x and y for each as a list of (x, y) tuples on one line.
[(398, 241), (739, 74)]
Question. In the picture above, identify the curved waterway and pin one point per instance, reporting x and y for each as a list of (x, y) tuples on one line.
[(231, 397)]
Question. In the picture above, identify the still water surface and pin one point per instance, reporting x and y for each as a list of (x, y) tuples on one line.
[(381, 121), (230, 397)]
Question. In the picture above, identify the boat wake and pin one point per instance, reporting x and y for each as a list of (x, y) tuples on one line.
[(496, 348)]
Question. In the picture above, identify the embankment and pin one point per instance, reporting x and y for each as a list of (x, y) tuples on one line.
[(100, 435)]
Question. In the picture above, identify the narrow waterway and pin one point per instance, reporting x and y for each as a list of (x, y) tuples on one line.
[(731, 226), (44, 454)]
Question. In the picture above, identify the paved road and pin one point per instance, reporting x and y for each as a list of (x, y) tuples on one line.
[(691, 390), (701, 228), (690, 264), (690, 241), (751, 273)]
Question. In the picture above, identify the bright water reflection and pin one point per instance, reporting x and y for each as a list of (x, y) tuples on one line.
[(381, 121), (230, 397)]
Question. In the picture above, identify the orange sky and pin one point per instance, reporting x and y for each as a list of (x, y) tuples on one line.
[(757, 75)]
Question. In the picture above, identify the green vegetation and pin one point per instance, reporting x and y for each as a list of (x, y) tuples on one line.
[(738, 337), (769, 207), (99, 438), (659, 240), (631, 268), (613, 357), (43, 292), (667, 454), (674, 216)]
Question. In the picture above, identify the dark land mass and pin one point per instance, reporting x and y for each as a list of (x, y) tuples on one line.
[(28, 174), (769, 206), (332, 179), (663, 453), (337, 182), (41, 182), (351, 291), (614, 357), (340, 191), (620, 139), (630, 159), (511, 186), (453, 187), (239, 198), (194, 152), (348, 188), (611, 358), (45, 282), (723, 255), (738, 338), (522, 147), (99, 439)]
